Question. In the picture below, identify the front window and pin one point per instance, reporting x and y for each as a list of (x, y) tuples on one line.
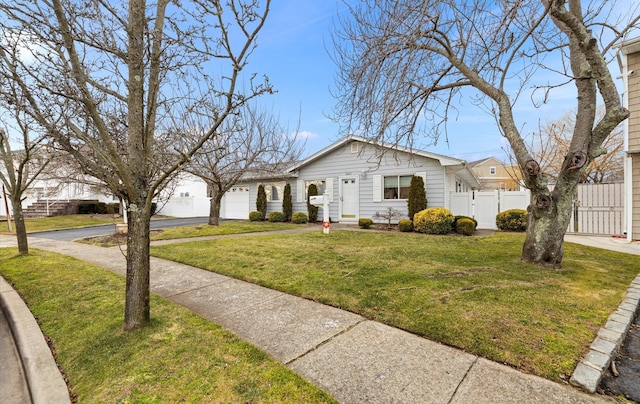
[(274, 190), (492, 170), (397, 186)]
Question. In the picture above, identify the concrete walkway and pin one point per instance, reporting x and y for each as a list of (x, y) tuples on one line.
[(353, 359)]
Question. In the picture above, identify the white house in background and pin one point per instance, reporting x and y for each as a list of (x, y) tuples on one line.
[(360, 178), (630, 66)]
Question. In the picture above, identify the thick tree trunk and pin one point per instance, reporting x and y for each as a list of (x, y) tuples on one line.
[(21, 230), (547, 222), (137, 311), (214, 209)]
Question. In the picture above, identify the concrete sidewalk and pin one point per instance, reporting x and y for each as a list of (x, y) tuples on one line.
[(353, 359)]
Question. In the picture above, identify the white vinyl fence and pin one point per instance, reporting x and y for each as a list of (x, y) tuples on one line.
[(598, 208)]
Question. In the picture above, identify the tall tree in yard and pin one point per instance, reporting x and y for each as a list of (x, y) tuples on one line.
[(404, 64), (253, 143), (106, 80)]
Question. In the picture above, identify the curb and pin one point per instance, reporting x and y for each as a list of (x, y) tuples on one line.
[(589, 371), (46, 384)]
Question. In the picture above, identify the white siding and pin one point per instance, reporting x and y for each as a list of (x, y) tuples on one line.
[(370, 170)]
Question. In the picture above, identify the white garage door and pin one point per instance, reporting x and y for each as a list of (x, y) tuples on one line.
[(235, 203)]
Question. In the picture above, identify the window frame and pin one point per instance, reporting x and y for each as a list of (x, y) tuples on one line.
[(399, 188)]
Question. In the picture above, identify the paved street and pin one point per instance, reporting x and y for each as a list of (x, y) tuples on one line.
[(93, 231)]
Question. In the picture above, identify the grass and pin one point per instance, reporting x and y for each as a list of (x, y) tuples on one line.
[(469, 292), (201, 230), (61, 222), (225, 228), (180, 357)]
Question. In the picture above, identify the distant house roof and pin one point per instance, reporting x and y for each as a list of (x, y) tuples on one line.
[(476, 163)]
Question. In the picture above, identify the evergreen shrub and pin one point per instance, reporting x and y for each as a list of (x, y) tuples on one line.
[(299, 218), (287, 203), (276, 217), (311, 209), (255, 216), (433, 221), (456, 218), (261, 201), (405, 225), (465, 226), (512, 220), (365, 223), (417, 200)]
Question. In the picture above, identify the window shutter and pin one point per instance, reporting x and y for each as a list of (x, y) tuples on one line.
[(377, 188), (328, 186), (300, 191)]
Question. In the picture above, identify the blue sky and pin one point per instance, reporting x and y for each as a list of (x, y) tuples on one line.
[(294, 52)]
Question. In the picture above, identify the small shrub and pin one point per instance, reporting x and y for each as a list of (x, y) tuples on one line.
[(299, 218), (113, 208), (154, 207), (465, 226), (86, 208), (277, 217), (405, 225), (433, 221), (255, 216), (512, 220), (456, 218), (365, 223)]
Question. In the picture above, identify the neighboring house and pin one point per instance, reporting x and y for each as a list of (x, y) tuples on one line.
[(494, 174), (360, 179), (630, 66)]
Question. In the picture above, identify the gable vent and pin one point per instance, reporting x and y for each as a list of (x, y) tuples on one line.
[(354, 147)]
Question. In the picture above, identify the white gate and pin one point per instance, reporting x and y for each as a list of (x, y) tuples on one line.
[(484, 206)]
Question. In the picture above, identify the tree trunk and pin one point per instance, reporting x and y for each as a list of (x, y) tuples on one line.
[(549, 215), (21, 230), (214, 207), (137, 311)]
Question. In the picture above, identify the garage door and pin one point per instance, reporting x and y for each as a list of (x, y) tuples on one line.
[(235, 203)]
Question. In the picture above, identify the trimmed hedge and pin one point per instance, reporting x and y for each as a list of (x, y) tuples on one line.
[(405, 225), (465, 226), (255, 216), (365, 223), (456, 218), (433, 221), (277, 217), (299, 218), (512, 220)]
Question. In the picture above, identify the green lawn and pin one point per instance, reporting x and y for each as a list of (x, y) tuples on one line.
[(180, 357), (233, 227), (469, 292), (60, 222)]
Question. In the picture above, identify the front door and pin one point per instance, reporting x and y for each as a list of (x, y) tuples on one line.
[(349, 199)]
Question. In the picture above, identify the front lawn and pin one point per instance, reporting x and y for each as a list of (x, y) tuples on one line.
[(180, 357), (61, 222), (473, 293)]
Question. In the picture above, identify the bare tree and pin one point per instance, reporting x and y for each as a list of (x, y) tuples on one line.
[(252, 142), (20, 168), (107, 78), (405, 65), (552, 142)]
